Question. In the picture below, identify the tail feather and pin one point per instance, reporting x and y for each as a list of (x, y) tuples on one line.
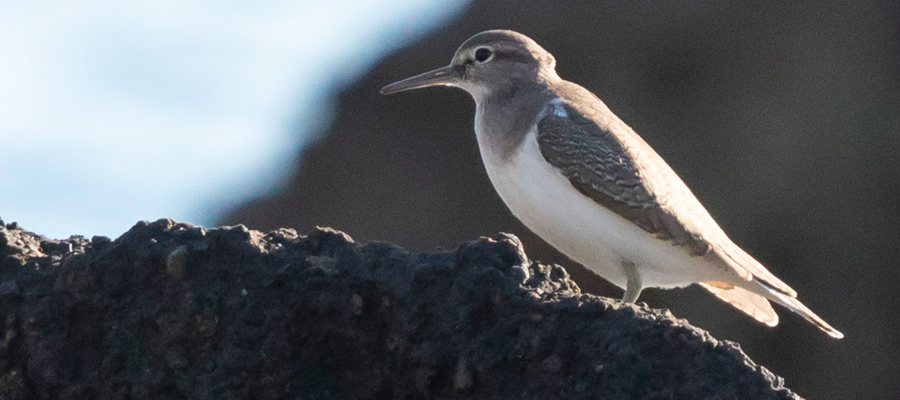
[(791, 303), (750, 303)]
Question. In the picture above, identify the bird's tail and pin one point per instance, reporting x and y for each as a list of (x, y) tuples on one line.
[(791, 303), (750, 303), (754, 304)]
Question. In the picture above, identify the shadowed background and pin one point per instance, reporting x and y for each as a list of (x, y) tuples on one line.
[(782, 118)]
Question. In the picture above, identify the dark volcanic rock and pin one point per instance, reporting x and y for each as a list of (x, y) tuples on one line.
[(173, 311)]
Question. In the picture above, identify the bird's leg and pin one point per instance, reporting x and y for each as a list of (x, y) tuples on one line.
[(633, 286)]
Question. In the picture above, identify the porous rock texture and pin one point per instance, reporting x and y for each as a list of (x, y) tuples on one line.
[(173, 311)]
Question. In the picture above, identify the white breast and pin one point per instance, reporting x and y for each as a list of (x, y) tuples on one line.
[(543, 199)]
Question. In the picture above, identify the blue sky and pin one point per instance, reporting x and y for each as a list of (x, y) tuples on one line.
[(113, 112)]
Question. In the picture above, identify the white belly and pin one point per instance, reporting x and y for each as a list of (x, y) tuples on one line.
[(544, 200)]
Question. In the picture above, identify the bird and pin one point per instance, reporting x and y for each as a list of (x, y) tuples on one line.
[(585, 182)]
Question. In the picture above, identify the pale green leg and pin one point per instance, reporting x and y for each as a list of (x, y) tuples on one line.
[(633, 286)]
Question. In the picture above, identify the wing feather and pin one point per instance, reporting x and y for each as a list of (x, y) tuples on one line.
[(607, 161)]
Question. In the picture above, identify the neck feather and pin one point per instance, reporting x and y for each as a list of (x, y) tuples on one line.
[(504, 117)]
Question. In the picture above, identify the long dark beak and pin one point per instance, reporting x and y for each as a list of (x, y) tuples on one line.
[(441, 76)]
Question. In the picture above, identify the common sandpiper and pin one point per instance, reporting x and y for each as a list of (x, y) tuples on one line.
[(585, 182)]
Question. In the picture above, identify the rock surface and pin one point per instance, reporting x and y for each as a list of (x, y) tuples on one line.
[(174, 311)]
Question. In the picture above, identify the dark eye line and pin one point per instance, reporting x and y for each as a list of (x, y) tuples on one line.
[(507, 56)]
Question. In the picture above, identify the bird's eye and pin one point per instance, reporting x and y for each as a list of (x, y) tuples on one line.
[(482, 54)]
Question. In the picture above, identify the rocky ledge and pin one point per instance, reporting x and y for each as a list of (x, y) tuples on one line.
[(173, 311)]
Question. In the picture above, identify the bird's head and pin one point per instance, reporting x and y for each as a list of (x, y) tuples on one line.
[(489, 62)]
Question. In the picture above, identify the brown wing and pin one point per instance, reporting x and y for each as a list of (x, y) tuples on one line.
[(602, 166), (608, 162)]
